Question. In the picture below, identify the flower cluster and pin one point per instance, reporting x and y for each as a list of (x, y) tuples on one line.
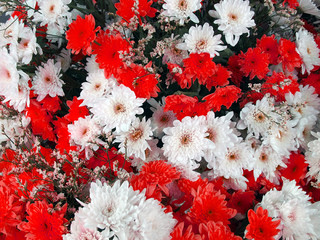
[(159, 119)]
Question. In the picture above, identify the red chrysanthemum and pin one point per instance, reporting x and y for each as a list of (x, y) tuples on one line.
[(179, 76), (225, 96), (278, 85), (296, 167), (219, 77), (199, 66), (51, 104), (235, 68), (179, 234), (61, 129), (75, 110), (292, 3), (269, 45), (126, 9), (261, 226), (250, 96), (81, 34), (254, 63), (139, 80), (107, 49), (216, 231), (210, 205), (181, 105), (242, 201), (43, 224), (289, 57), (313, 80)]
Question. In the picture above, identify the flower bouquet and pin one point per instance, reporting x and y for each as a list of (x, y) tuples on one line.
[(160, 119)]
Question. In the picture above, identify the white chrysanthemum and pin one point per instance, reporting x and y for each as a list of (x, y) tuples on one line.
[(267, 162), (186, 141), (308, 50), (313, 157), (202, 39), (125, 214), (232, 163), (95, 87), (234, 19), (309, 97), (53, 12), (221, 133), (181, 10), (134, 141), (47, 80), (9, 76), (151, 222), (84, 132), (117, 110), (92, 65), (281, 139), (160, 119), (10, 31), (256, 117), (236, 183), (308, 6), (19, 99)]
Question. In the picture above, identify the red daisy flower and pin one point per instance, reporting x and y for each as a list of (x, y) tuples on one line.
[(292, 3), (108, 48), (42, 223), (179, 234), (81, 34), (242, 201), (210, 205), (216, 231), (254, 63), (250, 96), (181, 105), (235, 68), (126, 9), (199, 66), (296, 167), (75, 110), (261, 226), (289, 57), (225, 96), (219, 77), (269, 45), (278, 85), (313, 80), (179, 76), (139, 80)]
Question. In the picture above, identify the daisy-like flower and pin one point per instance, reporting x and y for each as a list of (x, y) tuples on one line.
[(313, 157), (81, 34), (84, 132), (186, 141), (118, 110), (308, 50), (134, 142), (257, 118), (202, 39), (47, 80), (181, 10), (234, 19)]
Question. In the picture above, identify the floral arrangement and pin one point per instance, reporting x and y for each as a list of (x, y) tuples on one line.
[(160, 119)]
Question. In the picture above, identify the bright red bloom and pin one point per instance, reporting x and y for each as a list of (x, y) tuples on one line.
[(269, 45), (75, 110), (278, 85), (108, 48), (216, 231), (219, 77), (179, 234), (250, 96), (313, 80), (43, 223), (296, 167), (181, 105), (254, 63), (139, 80), (261, 226), (292, 3), (61, 129), (125, 9), (289, 57), (81, 34), (199, 66), (235, 68), (225, 96), (51, 104), (210, 205), (179, 76), (20, 12), (242, 201)]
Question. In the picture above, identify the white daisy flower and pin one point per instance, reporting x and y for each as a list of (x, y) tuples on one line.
[(234, 19), (313, 157), (308, 50), (201, 39), (134, 142), (10, 31), (85, 132), (118, 110), (181, 10), (96, 87), (308, 6), (47, 80), (186, 142), (256, 117)]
